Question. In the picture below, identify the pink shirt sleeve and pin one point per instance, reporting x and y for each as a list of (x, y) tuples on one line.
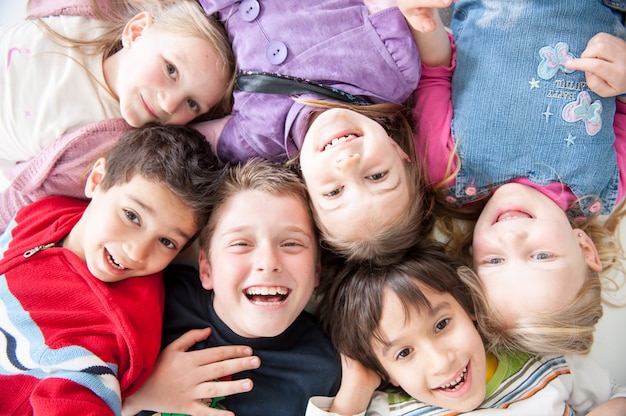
[(60, 168), (432, 115), (619, 124)]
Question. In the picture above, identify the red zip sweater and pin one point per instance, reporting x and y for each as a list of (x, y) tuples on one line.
[(70, 344)]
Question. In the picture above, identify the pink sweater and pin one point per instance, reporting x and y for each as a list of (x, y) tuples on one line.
[(59, 169)]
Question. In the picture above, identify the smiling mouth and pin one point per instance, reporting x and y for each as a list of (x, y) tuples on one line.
[(149, 109), (456, 383), (267, 295), (512, 214), (112, 261), (342, 139)]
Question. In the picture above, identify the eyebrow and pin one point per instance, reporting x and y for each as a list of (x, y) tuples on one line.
[(378, 192), (290, 228), (432, 311), (151, 211)]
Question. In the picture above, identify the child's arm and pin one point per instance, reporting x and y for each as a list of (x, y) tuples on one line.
[(212, 130), (604, 63), (182, 378), (60, 168), (357, 387), (614, 407), (428, 30)]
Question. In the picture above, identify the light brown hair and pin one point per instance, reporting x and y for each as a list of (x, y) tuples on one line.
[(381, 245), (254, 175)]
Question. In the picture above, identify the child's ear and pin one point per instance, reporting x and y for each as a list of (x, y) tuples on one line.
[(590, 252), (95, 177), (135, 27), (204, 267)]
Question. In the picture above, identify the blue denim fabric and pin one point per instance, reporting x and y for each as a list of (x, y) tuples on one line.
[(518, 112)]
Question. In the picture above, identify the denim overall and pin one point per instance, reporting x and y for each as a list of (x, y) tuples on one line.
[(519, 112)]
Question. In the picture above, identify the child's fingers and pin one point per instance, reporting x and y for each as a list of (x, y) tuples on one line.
[(420, 13), (606, 79), (218, 354), (227, 367), (225, 388), (188, 339)]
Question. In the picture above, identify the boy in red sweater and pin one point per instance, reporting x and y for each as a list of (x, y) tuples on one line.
[(81, 295)]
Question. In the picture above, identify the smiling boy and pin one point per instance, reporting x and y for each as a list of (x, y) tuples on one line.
[(81, 295), (259, 264)]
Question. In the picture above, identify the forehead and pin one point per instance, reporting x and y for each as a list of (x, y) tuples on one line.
[(251, 207)]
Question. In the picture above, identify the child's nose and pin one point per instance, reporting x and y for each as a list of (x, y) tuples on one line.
[(513, 236), (349, 161), (169, 101), (136, 251), (267, 259), (442, 360)]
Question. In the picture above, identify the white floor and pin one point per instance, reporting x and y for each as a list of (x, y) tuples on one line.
[(610, 345)]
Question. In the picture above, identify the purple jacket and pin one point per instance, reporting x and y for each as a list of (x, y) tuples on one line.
[(333, 42)]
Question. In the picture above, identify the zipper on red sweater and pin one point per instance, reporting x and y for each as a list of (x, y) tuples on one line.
[(37, 249)]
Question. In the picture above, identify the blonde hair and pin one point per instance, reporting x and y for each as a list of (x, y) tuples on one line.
[(381, 246), (183, 17), (568, 329)]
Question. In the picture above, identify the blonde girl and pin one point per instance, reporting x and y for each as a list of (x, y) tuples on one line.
[(537, 179), (144, 61)]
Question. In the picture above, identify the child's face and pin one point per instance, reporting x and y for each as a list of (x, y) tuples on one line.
[(262, 263), (133, 229), (164, 77), (526, 254), (354, 172), (436, 356)]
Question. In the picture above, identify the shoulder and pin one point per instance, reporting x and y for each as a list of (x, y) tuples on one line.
[(53, 211)]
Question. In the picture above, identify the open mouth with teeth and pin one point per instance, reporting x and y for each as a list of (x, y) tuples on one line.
[(267, 295), (512, 214), (456, 383), (112, 261), (337, 140)]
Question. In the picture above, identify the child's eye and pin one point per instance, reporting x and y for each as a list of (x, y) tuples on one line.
[(193, 105), (441, 325), (239, 244), (292, 244), (131, 216), (495, 260), (542, 256), (333, 193), (377, 176), (167, 243), (405, 352), (171, 70)]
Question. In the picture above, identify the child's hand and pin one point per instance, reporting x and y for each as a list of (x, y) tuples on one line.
[(358, 383), (422, 15), (604, 63), (181, 378)]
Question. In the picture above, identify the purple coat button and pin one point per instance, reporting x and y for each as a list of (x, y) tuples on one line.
[(276, 52), (249, 10)]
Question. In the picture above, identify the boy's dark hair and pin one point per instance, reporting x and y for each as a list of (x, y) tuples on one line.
[(350, 308), (177, 156)]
